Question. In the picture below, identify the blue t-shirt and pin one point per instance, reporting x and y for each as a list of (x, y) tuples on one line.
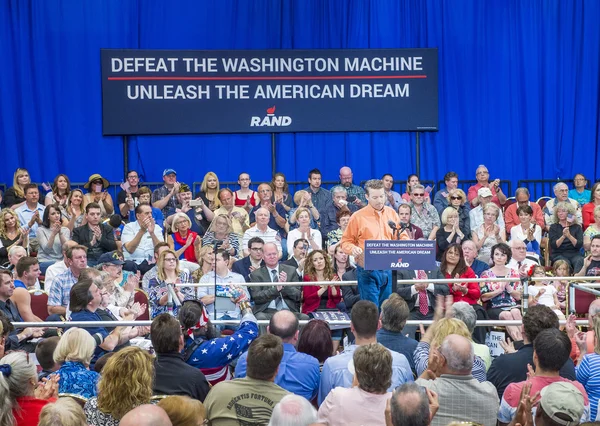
[(582, 198)]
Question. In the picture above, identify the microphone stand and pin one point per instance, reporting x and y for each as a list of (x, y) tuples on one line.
[(215, 248)]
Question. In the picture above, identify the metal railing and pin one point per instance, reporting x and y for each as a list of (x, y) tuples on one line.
[(112, 324)]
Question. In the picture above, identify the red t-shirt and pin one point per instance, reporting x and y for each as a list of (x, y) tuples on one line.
[(473, 291)]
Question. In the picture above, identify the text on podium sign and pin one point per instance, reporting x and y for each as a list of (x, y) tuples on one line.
[(402, 254)]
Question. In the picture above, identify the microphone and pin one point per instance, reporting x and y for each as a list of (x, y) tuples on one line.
[(394, 227)]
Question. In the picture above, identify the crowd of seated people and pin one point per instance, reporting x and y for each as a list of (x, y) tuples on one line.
[(93, 256)]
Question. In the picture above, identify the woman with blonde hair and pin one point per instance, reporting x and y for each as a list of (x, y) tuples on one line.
[(305, 231), (182, 239), (74, 353), (11, 234), (458, 200), (303, 200), (221, 231), (566, 236), (74, 210), (209, 191), (183, 410), (168, 274), (206, 260), (15, 195), (433, 337), (116, 395), (64, 412)]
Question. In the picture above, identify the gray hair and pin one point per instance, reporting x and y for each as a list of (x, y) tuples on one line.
[(22, 379), (559, 185), (409, 406), (14, 249), (465, 312), (568, 207), (456, 359), (417, 186), (293, 410), (522, 190), (338, 188)]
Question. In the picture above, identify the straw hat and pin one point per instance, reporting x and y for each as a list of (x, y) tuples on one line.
[(94, 177)]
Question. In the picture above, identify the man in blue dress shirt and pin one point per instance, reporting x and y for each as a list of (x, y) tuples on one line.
[(298, 373), (339, 370)]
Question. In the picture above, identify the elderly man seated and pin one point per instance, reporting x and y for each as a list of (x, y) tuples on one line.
[(511, 217), (262, 230), (329, 216), (561, 194), (484, 196), (461, 396), (483, 181), (239, 216)]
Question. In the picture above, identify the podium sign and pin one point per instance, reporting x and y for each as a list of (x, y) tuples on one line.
[(400, 254)]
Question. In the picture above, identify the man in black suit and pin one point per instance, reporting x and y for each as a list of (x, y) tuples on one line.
[(98, 237), (420, 297), (297, 259), (251, 262), (272, 298)]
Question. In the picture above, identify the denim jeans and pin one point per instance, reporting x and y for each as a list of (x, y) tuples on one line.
[(375, 286)]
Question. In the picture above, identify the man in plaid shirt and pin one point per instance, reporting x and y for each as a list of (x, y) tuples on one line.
[(58, 299)]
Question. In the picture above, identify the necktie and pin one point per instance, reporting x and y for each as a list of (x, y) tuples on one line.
[(275, 279), (423, 304)]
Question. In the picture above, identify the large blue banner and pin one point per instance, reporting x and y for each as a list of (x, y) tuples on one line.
[(262, 91)]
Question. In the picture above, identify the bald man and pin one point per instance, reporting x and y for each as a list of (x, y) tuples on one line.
[(409, 405), (146, 415), (298, 373), (461, 397), (356, 194)]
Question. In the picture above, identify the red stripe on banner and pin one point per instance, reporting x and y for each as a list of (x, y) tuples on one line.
[(342, 77)]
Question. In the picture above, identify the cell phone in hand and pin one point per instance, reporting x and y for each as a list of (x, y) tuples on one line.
[(570, 218), (196, 203), (351, 198)]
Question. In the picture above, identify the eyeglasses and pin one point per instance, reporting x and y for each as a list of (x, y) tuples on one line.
[(456, 198), (418, 195)]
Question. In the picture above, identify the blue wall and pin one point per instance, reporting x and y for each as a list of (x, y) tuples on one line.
[(519, 85)]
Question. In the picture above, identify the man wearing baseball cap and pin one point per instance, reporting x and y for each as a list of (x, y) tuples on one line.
[(165, 197), (484, 196), (561, 404)]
